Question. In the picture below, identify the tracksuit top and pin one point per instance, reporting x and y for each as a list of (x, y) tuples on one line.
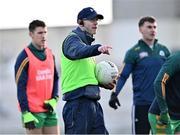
[(22, 75), (77, 73), (144, 63), (167, 86), (40, 80)]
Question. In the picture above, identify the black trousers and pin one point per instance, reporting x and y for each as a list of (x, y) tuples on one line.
[(140, 123)]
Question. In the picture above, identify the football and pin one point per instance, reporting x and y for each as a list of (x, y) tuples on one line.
[(106, 72)]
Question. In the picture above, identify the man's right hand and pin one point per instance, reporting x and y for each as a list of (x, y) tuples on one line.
[(29, 120), (114, 101), (104, 49)]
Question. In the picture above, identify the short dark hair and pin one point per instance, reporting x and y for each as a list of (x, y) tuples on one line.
[(150, 19), (36, 23)]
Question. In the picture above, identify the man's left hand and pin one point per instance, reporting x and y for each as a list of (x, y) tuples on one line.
[(51, 104), (164, 119), (109, 86)]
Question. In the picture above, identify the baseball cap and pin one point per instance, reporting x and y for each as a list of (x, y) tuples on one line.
[(88, 13)]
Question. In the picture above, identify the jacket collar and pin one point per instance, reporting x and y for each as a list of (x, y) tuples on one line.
[(144, 43), (85, 37)]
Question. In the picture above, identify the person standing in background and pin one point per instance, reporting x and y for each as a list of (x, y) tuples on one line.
[(37, 83), (82, 113), (144, 61)]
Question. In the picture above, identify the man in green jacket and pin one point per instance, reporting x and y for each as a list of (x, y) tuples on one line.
[(143, 61)]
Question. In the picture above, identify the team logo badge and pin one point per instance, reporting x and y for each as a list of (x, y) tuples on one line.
[(161, 52), (91, 10), (143, 54)]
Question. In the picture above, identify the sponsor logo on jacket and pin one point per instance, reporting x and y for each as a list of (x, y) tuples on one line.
[(143, 54)]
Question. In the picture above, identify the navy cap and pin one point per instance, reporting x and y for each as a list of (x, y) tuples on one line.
[(88, 14)]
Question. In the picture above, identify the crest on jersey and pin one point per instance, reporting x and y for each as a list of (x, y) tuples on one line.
[(143, 54), (161, 52), (91, 10)]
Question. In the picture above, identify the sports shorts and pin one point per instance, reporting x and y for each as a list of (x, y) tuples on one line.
[(46, 119), (159, 129)]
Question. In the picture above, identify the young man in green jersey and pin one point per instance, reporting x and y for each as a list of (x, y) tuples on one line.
[(144, 61)]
